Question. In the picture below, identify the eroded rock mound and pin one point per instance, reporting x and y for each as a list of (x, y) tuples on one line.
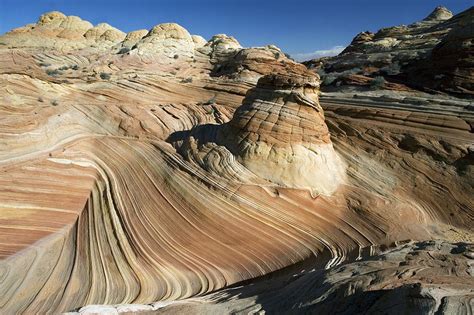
[(167, 40), (439, 14), (56, 30), (279, 133)]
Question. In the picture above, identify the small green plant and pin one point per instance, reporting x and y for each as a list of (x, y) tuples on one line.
[(355, 70), (124, 50), (210, 101), (288, 56), (377, 82), (321, 72), (393, 69), (329, 79), (53, 72), (104, 76), (63, 68)]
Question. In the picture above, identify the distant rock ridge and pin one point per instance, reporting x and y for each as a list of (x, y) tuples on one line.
[(56, 30), (405, 54)]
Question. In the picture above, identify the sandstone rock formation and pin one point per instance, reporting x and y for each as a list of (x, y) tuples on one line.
[(432, 54), (412, 278), (280, 135), (439, 14), (133, 179), (453, 58)]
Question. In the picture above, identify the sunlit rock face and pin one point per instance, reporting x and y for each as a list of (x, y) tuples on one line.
[(54, 29), (279, 133), (439, 14), (433, 54), (167, 40)]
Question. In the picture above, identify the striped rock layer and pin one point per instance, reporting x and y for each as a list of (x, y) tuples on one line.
[(279, 133), (130, 177)]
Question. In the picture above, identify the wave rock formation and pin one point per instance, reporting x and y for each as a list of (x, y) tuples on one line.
[(146, 169)]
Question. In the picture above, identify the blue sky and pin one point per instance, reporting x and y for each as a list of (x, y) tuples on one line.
[(297, 27)]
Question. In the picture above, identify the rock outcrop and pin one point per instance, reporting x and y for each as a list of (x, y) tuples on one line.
[(415, 278), (104, 31), (168, 40), (432, 54), (451, 64), (439, 14), (279, 134)]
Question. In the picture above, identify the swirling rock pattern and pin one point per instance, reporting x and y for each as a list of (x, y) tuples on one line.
[(414, 278), (135, 178), (279, 133)]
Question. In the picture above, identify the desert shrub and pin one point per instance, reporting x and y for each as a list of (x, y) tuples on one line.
[(276, 54), (321, 72), (353, 71), (75, 67), (328, 79), (104, 76), (44, 64), (288, 56), (54, 103), (53, 72), (392, 69), (377, 82), (210, 101), (187, 80), (63, 68), (175, 56), (124, 50)]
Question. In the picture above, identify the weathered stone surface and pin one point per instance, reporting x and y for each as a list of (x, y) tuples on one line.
[(104, 31), (279, 134), (167, 40), (433, 54), (56, 30), (439, 14), (452, 60), (415, 278), (143, 178)]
